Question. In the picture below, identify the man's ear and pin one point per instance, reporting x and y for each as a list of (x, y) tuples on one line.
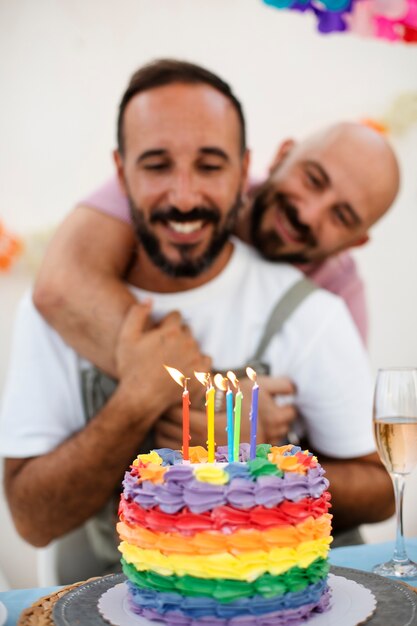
[(118, 161), (283, 150)]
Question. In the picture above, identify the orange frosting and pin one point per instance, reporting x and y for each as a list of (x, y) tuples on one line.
[(152, 472), (211, 542), (198, 454)]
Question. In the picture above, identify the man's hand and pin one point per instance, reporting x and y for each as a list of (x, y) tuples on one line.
[(168, 429), (141, 356)]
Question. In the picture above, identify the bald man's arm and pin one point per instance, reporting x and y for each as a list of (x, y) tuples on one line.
[(361, 490), (79, 289)]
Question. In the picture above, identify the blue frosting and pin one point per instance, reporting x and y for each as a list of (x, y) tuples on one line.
[(238, 470), (200, 607), (169, 456)]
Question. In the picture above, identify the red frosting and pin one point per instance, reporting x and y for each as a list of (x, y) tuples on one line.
[(188, 523)]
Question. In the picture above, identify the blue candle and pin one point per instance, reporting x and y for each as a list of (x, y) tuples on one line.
[(253, 412), (237, 414), (229, 427)]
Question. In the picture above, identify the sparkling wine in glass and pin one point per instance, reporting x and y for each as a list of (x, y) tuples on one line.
[(395, 430)]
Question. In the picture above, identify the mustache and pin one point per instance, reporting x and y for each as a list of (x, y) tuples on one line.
[(197, 213), (291, 213)]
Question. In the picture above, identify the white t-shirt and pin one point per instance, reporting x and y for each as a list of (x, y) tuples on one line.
[(318, 348)]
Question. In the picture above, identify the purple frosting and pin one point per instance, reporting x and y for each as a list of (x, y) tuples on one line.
[(200, 497), (180, 489), (269, 491), (240, 493), (223, 457)]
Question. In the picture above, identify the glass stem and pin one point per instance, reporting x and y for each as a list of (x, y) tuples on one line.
[(399, 551)]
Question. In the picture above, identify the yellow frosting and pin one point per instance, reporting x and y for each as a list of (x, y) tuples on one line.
[(151, 457), (211, 474), (242, 566)]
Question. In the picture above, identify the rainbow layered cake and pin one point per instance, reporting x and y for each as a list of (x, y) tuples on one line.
[(226, 543)]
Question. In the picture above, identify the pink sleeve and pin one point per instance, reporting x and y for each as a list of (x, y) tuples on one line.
[(340, 276), (109, 199)]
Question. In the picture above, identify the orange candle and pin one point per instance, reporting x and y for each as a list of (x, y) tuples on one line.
[(182, 380)]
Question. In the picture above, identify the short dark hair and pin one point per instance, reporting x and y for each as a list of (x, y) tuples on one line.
[(167, 71)]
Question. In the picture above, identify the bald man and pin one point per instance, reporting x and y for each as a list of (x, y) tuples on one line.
[(320, 198)]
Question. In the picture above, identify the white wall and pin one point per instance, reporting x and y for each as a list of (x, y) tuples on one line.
[(64, 65)]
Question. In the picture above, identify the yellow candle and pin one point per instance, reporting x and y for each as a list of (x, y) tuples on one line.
[(210, 394)]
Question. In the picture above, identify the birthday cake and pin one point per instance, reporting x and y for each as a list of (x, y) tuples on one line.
[(226, 543)]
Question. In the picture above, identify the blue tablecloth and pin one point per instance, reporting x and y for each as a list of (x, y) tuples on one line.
[(362, 557)]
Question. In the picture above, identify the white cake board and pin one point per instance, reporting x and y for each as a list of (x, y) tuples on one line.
[(351, 604)]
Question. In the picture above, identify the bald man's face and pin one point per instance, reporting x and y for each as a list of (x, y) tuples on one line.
[(321, 198)]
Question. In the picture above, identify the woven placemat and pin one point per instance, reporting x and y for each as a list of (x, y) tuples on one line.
[(40, 612)]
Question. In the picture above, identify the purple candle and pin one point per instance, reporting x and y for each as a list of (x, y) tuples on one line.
[(253, 412)]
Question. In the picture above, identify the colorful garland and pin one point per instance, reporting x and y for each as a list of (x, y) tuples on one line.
[(393, 20)]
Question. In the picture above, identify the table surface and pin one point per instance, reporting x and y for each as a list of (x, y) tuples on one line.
[(362, 557)]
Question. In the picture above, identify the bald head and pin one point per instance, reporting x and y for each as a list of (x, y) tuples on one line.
[(368, 159), (324, 193)]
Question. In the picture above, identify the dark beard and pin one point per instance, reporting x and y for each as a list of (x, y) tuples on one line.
[(187, 267), (269, 243)]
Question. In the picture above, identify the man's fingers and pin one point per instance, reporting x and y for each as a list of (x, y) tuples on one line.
[(276, 385), (171, 319), (280, 415), (135, 321)]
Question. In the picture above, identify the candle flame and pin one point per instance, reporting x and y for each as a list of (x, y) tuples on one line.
[(220, 382), (176, 375), (233, 379), (203, 378), (251, 374)]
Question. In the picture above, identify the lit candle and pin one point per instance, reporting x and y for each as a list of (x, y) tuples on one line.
[(185, 422), (223, 385), (253, 412), (205, 379), (182, 380), (238, 411)]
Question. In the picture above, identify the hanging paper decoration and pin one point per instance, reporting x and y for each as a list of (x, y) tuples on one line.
[(11, 247), (392, 20), (28, 250), (399, 117)]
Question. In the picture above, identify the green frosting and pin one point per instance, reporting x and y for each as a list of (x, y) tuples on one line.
[(262, 450), (263, 467), (226, 590)]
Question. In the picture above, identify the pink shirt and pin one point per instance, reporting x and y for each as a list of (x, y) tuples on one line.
[(338, 274)]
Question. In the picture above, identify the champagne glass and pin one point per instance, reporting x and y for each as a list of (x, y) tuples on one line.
[(395, 430)]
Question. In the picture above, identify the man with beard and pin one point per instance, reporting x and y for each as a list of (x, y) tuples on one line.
[(182, 163)]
